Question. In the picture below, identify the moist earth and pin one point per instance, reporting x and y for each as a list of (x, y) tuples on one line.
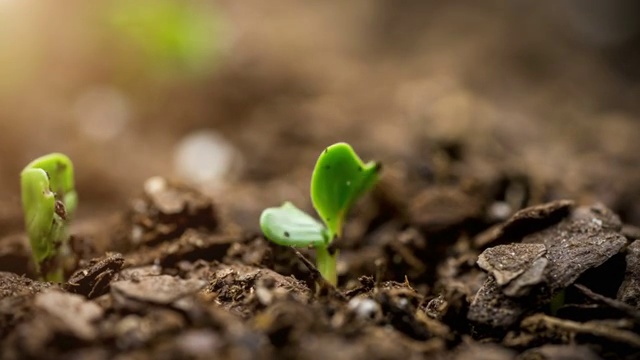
[(431, 276)]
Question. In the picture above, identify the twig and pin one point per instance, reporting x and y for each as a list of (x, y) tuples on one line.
[(317, 277), (616, 304)]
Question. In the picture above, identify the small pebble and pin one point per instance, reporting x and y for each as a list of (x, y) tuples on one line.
[(364, 308), (499, 211)]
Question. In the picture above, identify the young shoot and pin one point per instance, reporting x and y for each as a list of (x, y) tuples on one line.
[(49, 200), (339, 179)]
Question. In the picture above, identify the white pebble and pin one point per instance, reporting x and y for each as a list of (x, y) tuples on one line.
[(364, 308)]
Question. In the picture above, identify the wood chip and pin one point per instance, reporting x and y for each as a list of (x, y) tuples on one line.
[(524, 222), (629, 291), (508, 262)]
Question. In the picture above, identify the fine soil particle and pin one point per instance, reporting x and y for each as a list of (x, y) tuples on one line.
[(13, 285)]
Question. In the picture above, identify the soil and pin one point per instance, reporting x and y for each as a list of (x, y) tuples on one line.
[(505, 225), (180, 280)]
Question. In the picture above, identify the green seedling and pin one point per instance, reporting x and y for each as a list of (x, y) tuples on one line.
[(339, 179), (49, 201)]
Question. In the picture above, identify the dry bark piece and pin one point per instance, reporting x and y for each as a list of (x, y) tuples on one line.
[(559, 352), (516, 267), (507, 262), (525, 221), (68, 313), (524, 283), (584, 240), (158, 290), (94, 280), (588, 238), (629, 291)]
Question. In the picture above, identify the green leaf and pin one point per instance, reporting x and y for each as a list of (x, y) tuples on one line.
[(289, 226), (338, 180), (39, 210), (59, 169)]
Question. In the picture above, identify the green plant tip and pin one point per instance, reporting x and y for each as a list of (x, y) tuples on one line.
[(339, 179), (59, 168), (48, 200), (289, 226)]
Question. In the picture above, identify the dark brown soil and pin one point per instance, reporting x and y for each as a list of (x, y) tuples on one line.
[(553, 281), (506, 224)]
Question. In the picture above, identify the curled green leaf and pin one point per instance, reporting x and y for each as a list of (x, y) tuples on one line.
[(339, 179), (39, 210), (48, 200), (59, 169)]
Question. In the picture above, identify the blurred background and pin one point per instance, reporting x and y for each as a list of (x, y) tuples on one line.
[(241, 96)]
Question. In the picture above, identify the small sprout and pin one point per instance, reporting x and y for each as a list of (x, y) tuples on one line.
[(49, 201), (338, 180)]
